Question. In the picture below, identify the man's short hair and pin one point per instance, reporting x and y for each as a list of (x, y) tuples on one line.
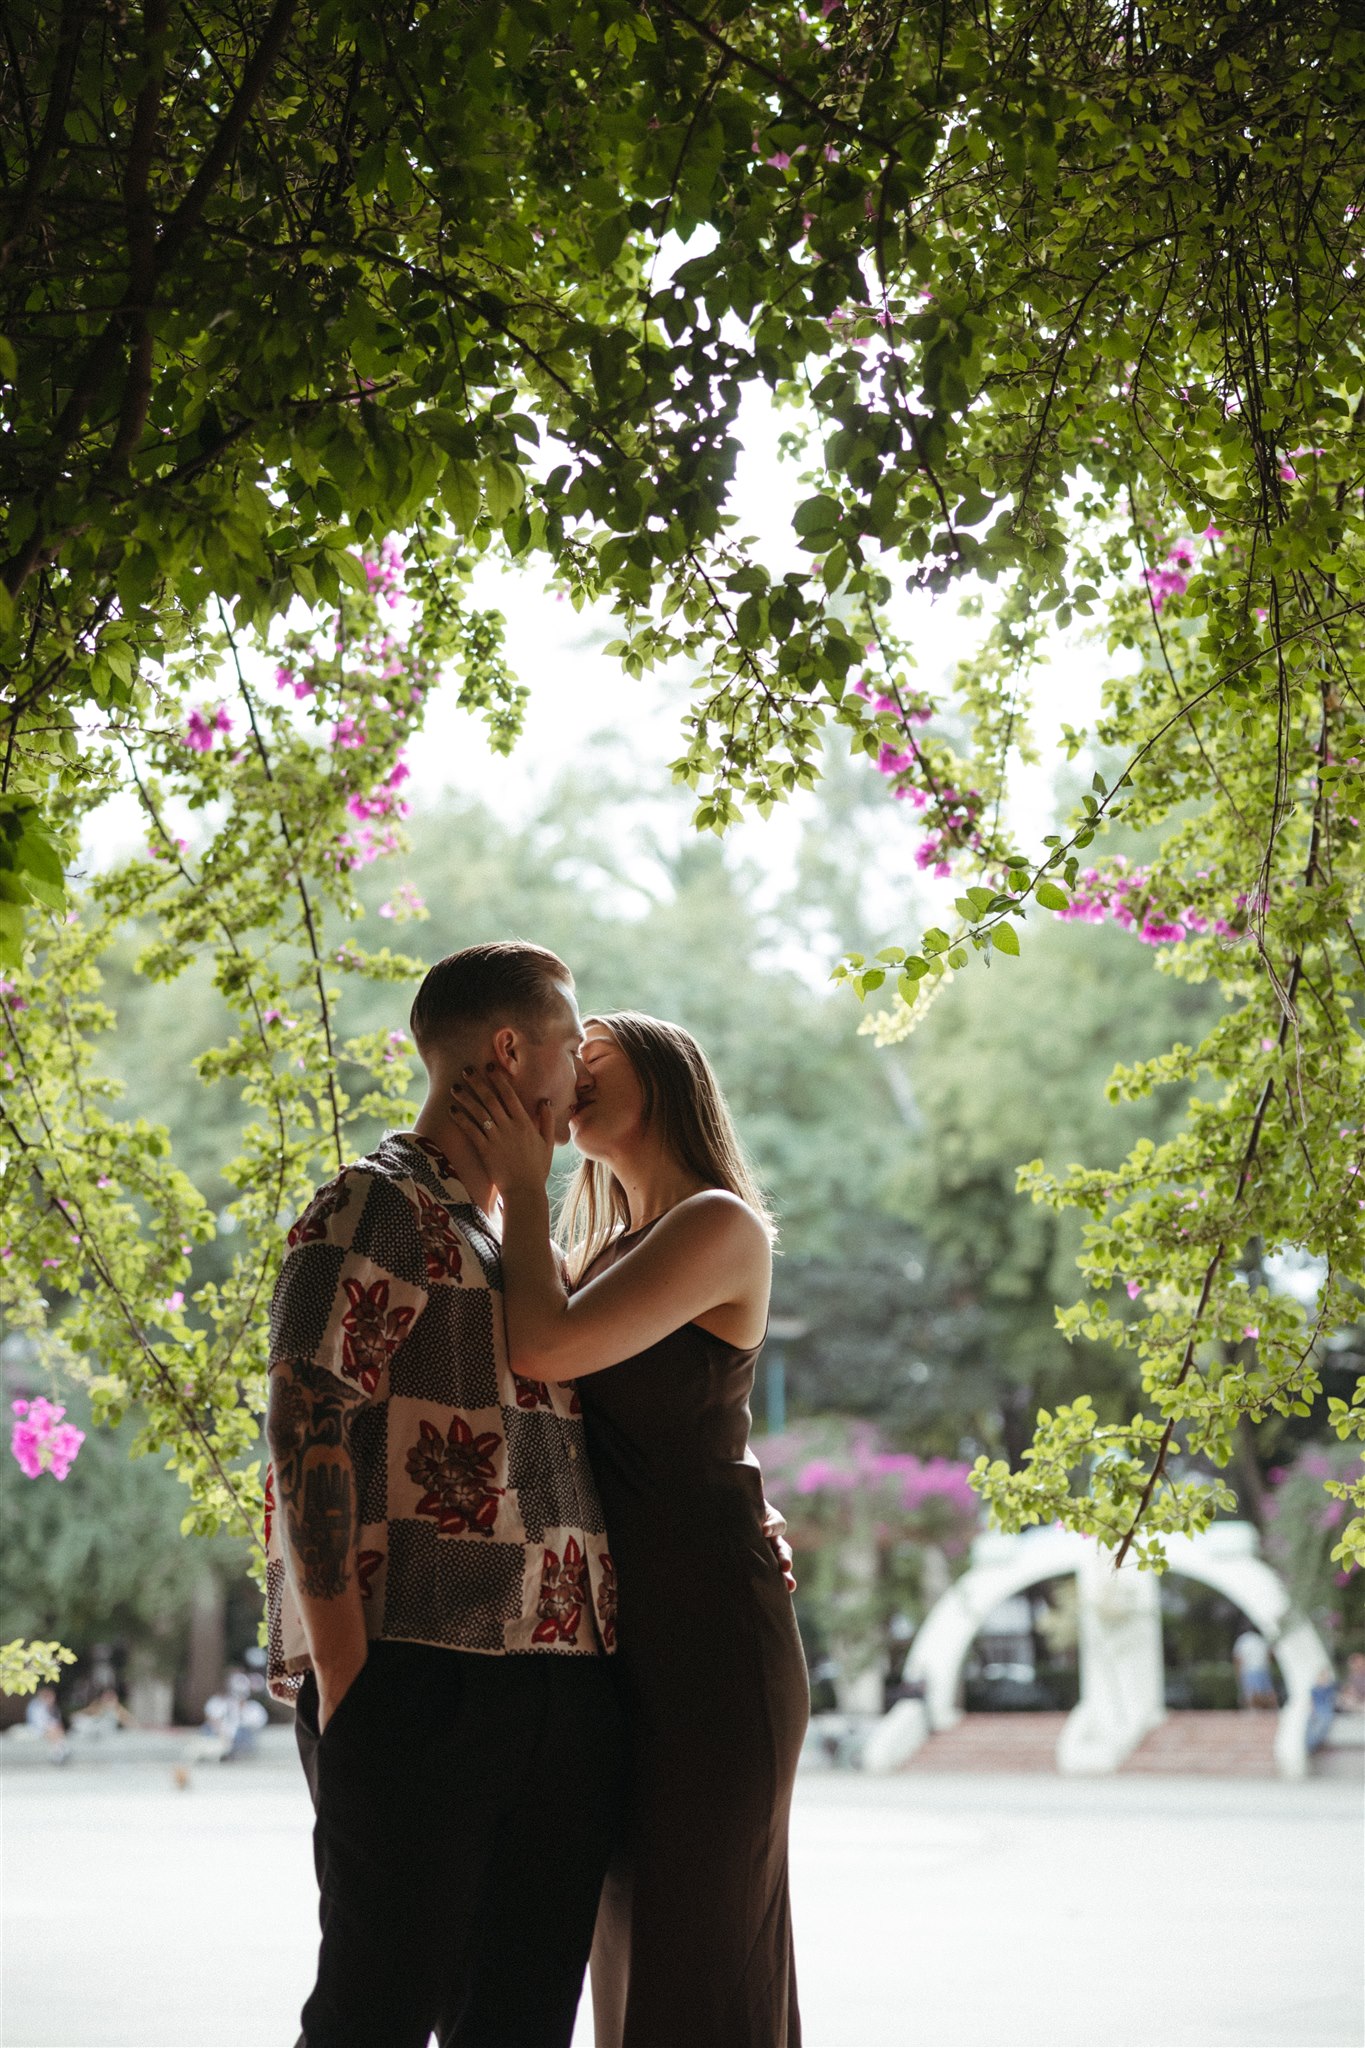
[(507, 981)]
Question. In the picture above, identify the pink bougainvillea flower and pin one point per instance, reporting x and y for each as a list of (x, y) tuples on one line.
[(42, 1441), (405, 903), (199, 733), (287, 679), (1251, 1331), (1134, 1289), (1164, 583)]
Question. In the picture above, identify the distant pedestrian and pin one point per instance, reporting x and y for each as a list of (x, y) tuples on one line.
[(1322, 1710), (1251, 1655), (44, 1717)]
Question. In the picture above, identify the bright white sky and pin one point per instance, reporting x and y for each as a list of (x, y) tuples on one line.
[(577, 696), (577, 693)]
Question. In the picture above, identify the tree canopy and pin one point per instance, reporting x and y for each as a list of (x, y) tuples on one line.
[(1064, 299)]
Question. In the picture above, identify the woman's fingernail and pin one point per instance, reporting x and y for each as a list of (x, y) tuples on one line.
[(466, 1070)]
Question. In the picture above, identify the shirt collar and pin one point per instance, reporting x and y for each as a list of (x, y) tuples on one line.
[(445, 1172), (441, 1166)]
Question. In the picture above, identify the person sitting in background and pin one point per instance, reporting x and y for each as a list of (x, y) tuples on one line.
[(233, 1719), (104, 1715)]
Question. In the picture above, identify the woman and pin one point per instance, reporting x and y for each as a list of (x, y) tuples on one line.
[(670, 1264)]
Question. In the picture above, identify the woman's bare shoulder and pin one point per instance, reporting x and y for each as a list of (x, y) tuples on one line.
[(716, 1214)]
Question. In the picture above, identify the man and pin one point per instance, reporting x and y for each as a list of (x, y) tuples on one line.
[(438, 1581)]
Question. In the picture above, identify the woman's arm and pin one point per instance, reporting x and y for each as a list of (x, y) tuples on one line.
[(707, 1253)]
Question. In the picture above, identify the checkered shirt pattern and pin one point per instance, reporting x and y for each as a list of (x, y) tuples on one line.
[(481, 1528)]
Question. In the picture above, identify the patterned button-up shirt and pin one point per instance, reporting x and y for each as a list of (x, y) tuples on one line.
[(480, 1527)]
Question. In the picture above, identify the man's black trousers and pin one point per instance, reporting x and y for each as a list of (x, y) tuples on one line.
[(466, 1808)]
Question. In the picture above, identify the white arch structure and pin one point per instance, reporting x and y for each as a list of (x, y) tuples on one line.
[(1121, 1673)]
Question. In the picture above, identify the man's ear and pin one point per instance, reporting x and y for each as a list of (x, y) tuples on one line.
[(507, 1047)]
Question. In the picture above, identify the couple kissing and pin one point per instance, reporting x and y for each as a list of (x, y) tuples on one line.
[(523, 1584)]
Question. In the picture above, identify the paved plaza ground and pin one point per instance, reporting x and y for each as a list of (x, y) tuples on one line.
[(931, 1912)]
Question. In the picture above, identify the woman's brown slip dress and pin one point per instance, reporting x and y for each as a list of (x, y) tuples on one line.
[(694, 1938)]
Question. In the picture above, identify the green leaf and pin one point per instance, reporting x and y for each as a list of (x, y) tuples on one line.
[(461, 496), (816, 515)]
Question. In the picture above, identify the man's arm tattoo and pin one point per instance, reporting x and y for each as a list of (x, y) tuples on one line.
[(322, 1529), (309, 1410), (309, 1416)]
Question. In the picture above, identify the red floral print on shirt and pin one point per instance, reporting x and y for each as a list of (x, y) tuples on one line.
[(457, 1471), (312, 1225), (563, 1595), (440, 1243), (373, 1330), (531, 1393), (606, 1601), (367, 1563)]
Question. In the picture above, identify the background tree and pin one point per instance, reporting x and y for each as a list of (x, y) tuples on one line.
[(100, 1559)]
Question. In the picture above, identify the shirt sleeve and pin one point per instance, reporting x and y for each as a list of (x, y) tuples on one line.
[(353, 1283)]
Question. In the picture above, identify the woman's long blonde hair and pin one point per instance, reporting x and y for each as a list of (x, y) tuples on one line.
[(683, 1100)]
